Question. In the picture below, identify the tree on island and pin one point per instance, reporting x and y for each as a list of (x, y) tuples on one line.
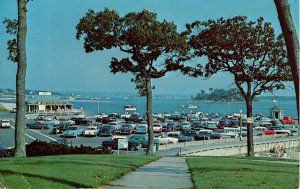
[(292, 43), (17, 54), (220, 95), (152, 47), (248, 50)]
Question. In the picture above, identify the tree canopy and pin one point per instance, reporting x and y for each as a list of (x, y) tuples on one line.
[(248, 50), (152, 46)]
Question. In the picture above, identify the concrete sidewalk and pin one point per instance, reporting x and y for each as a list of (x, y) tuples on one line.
[(167, 172)]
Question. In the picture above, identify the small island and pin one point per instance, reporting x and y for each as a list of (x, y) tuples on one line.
[(219, 95)]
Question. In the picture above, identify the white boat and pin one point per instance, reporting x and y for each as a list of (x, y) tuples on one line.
[(190, 106), (129, 108)]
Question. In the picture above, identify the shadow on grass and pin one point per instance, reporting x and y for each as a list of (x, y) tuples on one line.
[(58, 180), (220, 169), (81, 163)]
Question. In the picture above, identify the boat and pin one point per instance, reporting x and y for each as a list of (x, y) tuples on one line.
[(190, 106), (129, 108)]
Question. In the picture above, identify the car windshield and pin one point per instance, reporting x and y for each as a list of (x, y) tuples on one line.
[(136, 137), (72, 128), (204, 132), (91, 128)]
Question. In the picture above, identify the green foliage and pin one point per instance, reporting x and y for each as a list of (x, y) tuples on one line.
[(2, 109), (220, 95), (248, 50), (218, 172), (12, 28), (41, 148), (152, 46), (67, 171)]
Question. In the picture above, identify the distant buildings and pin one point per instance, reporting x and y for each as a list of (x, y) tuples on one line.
[(45, 102)]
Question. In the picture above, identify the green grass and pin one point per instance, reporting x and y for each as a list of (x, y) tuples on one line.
[(67, 171), (2, 109), (233, 173)]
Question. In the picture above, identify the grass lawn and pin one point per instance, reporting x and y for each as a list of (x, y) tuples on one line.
[(67, 171), (224, 172)]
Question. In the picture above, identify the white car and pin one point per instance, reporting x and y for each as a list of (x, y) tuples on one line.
[(91, 131), (164, 139), (4, 123)]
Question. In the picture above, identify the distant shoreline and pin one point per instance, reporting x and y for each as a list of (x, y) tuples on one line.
[(8, 106)]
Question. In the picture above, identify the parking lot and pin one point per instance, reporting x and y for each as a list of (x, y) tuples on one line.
[(7, 137)]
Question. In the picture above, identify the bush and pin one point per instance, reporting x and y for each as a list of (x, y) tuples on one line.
[(42, 148)]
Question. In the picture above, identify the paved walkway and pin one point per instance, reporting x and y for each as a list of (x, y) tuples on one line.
[(167, 172)]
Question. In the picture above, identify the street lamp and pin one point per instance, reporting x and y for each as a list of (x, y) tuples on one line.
[(241, 111)]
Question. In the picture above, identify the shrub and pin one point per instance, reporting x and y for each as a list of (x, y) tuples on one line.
[(42, 148)]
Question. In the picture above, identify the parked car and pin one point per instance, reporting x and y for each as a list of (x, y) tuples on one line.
[(4, 123), (82, 121), (47, 120), (157, 127), (204, 134), (115, 124), (107, 130), (142, 139), (91, 131), (37, 126), (73, 131), (265, 131), (106, 120), (185, 125), (127, 129), (59, 129), (292, 128), (169, 127), (280, 130), (189, 132), (164, 139), (67, 121), (196, 125), (180, 137), (230, 132), (136, 118), (133, 145), (141, 129), (211, 125), (4, 152), (287, 120)]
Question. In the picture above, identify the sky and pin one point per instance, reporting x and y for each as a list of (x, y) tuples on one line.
[(56, 60)]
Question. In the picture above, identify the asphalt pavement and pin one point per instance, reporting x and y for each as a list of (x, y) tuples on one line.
[(167, 173)]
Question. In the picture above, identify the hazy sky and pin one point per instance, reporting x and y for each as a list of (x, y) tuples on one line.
[(57, 61)]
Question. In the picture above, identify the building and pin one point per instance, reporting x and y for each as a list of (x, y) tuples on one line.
[(276, 112), (45, 102)]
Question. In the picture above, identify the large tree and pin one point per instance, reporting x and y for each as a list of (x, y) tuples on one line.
[(250, 51), (17, 54), (292, 44), (152, 47)]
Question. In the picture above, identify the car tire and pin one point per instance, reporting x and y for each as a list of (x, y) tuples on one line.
[(132, 148), (109, 148)]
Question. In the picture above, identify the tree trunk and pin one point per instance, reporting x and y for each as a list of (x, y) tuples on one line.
[(250, 144), (20, 150), (150, 150), (292, 44)]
